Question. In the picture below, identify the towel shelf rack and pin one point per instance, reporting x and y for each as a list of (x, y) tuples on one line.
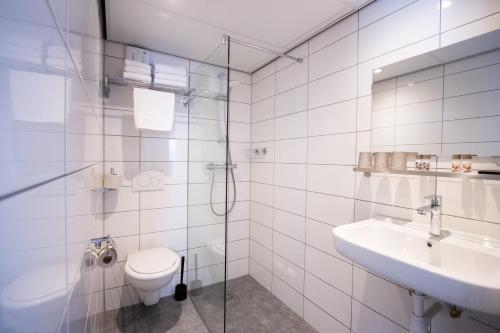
[(147, 85)]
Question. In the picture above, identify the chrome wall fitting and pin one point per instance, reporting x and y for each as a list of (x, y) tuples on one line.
[(259, 151), (98, 243), (213, 166)]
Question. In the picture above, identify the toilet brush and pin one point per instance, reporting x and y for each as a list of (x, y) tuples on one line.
[(181, 288)]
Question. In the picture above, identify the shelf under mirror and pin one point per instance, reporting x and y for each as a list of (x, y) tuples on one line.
[(449, 174)]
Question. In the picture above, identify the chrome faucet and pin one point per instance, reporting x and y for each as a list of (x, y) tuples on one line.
[(436, 214)]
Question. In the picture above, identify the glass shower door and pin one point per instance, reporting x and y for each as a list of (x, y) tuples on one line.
[(210, 195)]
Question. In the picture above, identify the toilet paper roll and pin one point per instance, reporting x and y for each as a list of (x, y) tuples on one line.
[(107, 256)]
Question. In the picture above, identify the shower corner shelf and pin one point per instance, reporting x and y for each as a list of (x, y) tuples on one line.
[(470, 175), (146, 85)]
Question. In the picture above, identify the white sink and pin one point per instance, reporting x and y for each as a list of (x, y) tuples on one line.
[(459, 268)]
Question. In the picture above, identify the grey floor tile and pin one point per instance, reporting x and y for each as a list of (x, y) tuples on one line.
[(250, 308)]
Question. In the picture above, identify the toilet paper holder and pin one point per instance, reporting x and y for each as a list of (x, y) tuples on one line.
[(103, 250), (97, 243)]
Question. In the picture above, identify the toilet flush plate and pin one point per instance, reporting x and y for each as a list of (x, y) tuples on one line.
[(151, 180)]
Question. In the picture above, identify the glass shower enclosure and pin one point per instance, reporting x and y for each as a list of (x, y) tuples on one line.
[(211, 187)]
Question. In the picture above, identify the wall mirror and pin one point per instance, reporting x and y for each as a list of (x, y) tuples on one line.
[(443, 102)]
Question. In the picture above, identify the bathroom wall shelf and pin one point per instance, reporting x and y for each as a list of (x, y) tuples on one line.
[(147, 85), (470, 175)]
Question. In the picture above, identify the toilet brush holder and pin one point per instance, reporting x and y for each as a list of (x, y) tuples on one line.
[(181, 288)]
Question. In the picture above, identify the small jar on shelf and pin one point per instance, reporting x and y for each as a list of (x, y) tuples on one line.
[(466, 163), (426, 162), (418, 162), (456, 161)]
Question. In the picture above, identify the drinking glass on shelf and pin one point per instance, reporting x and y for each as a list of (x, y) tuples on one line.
[(381, 161)]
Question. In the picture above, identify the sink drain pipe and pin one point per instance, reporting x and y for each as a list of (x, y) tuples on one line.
[(421, 319)]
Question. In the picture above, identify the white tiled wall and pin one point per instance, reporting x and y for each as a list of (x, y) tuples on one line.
[(179, 216), (313, 118), (51, 132)]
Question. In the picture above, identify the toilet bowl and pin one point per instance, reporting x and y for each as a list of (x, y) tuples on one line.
[(150, 270)]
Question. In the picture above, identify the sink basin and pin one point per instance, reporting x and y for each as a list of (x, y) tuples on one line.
[(460, 269)]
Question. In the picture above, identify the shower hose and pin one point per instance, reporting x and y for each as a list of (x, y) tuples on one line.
[(234, 188)]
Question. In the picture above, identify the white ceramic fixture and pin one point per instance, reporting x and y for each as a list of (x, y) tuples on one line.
[(33, 302), (457, 268), (150, 270), (217, 249)]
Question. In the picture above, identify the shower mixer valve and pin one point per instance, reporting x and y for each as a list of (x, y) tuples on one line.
[(213, 166)]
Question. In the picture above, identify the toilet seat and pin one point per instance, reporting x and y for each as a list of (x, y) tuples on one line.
[(152, 263), (148, 271)]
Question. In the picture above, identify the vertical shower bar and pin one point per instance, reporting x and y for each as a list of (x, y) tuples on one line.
[(222, 115), (228, 157)]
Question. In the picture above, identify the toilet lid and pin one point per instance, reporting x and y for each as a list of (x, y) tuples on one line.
[(152, 261)]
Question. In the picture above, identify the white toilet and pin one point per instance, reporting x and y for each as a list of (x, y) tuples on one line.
[(150, 270)]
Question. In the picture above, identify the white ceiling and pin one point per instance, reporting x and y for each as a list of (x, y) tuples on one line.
[(193, 28)]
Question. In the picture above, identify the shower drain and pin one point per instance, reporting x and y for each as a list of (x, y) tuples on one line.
[(230, 298)]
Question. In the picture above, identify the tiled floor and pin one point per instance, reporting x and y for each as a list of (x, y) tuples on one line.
[(250, 308), (167, 316)]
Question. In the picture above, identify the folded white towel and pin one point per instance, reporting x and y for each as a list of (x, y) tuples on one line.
[(57, 51), (136, 69), (16, 40), (129, 62), (153, 109), (168, 69), (16, 51), (136, 76), (171, 83), (20, 58), (56, 62), (61, 63)]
